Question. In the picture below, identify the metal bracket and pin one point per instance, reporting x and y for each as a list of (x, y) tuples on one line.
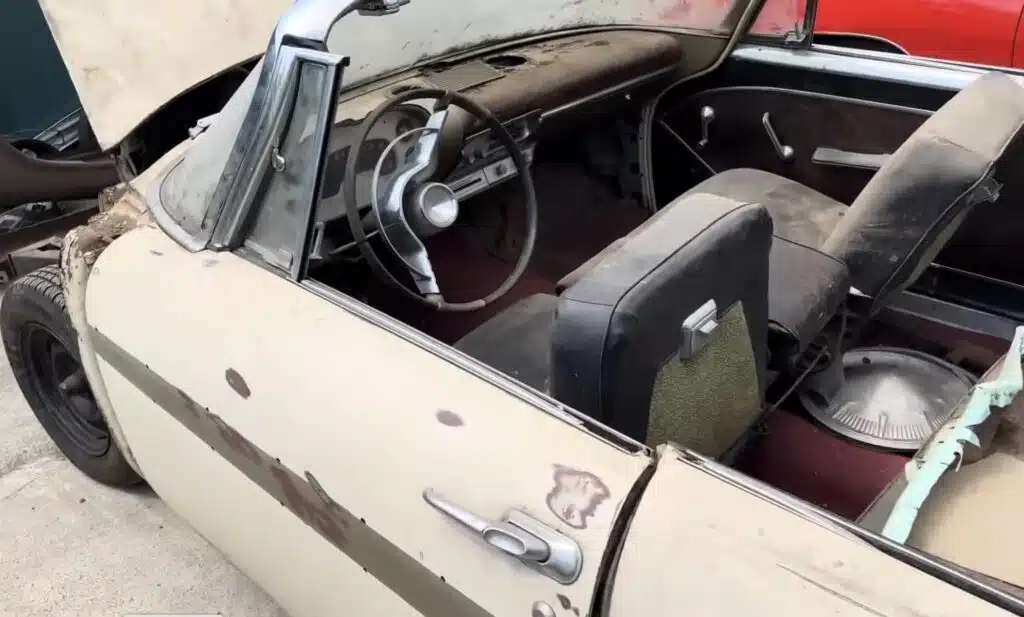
[(698, 329)]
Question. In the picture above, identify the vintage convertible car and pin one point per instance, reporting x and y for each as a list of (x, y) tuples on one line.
[(579, 308)]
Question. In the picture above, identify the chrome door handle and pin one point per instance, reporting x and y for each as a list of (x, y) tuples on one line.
[(521, 536)]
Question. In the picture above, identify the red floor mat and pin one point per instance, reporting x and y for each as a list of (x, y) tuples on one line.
[(816, 465)]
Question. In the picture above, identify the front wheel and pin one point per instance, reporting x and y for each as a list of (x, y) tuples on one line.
[(42, 349)]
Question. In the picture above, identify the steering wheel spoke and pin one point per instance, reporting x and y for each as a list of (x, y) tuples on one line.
[(413, 205)]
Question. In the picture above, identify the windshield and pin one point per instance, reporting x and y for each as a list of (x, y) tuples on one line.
[(429, 28)]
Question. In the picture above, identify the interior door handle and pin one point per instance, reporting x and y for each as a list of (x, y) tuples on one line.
[(857, 160), (521, 536), (785, 152)]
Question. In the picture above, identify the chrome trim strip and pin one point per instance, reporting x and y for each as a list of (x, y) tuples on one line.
[(879, 66), (922, 561), (305, 25)]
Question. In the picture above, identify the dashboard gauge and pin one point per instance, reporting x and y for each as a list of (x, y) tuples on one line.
[(390, 126)]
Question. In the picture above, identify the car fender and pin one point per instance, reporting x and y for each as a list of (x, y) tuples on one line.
[(79, 251)]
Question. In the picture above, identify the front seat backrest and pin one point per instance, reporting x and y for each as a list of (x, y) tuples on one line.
[(664, 338), (911, 207)]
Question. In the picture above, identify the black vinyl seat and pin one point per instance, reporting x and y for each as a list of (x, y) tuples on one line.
[(663, 338)]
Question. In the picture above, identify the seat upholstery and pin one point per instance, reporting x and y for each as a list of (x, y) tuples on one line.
[(619, 348)]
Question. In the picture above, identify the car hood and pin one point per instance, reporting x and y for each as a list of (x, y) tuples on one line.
[(127, 59)]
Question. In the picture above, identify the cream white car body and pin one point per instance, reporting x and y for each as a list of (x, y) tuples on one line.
[(212, 374)]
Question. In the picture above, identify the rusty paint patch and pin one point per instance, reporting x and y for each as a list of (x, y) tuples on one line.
[(576, 495), (449, 418), (305, 498), (237, 383), (564, 601)]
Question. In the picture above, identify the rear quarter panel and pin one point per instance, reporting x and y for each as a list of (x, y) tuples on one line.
[(699, 542)]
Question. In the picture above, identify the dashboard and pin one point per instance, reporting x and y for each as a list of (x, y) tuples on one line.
[(557, 82)]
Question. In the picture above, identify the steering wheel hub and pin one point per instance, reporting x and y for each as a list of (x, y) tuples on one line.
[(435, 207), (414, 205)]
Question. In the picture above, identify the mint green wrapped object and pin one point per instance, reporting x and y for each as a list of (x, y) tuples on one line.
[(946, 447)]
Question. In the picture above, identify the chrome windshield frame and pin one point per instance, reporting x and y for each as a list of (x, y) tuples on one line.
[(305, 25)]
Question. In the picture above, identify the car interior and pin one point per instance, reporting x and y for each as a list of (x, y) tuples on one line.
[(722, 281)]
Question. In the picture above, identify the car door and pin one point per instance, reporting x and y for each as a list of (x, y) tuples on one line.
[(347, 463)]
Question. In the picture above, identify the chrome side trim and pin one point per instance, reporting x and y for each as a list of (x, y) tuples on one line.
[(880, 66), (823, 518)]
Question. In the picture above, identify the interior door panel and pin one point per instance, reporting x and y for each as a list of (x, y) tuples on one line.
[(806, 122), (855, 102)]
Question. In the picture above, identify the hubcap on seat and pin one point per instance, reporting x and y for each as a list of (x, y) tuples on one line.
[(889, 397)]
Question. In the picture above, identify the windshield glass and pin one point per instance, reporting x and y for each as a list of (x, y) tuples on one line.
[(421, 30)]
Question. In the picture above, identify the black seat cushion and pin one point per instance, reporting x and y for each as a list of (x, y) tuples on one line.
[(799, 213), (517, 341)]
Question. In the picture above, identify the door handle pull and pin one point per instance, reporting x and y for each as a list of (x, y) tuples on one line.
[(521, 536), (785, 152)]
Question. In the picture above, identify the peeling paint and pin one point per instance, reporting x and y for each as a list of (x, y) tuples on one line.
[(304, 496), (576, 495), (237, 383)]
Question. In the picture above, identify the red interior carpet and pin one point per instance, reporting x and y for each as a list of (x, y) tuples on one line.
[(813, 463)]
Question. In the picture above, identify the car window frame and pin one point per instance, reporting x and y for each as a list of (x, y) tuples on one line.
[(255, 248), (792, 39), (288, 67)]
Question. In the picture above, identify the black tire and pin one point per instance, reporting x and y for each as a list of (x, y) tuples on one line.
[(42, 349)]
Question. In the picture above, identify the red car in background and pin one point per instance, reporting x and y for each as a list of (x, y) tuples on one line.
[(977, 31)]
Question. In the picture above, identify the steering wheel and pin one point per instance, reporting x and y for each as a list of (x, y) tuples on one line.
[(412, 204)]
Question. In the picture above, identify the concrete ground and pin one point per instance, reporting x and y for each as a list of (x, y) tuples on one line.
[(71, 547)]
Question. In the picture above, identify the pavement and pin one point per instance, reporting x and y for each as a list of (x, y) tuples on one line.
[(72, 547)]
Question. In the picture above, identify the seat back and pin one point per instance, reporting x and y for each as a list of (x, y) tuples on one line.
[(664, 338), (912, 206)]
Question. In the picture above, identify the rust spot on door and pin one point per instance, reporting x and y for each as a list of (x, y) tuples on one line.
[(237, 383), (449, 418), (576, 496)]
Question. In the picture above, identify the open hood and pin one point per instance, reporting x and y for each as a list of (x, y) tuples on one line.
[(127, 59)]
